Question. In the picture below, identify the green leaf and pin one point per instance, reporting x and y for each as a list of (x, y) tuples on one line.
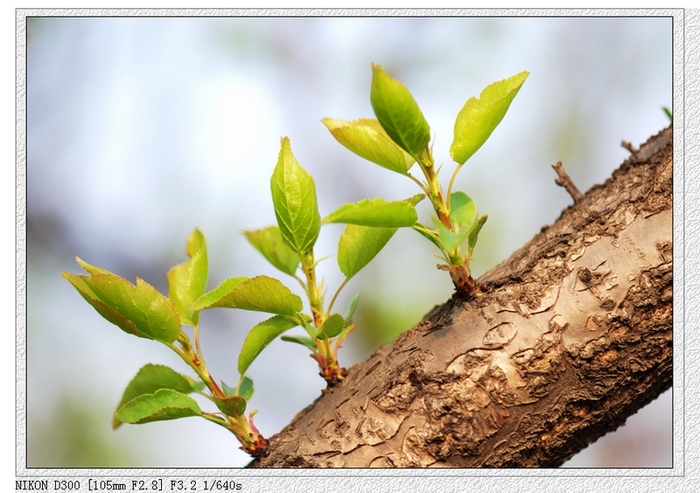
[(151, 378), (138, 309), (352, 306), (462, 209), (450, 240), (480, 116), (310, 328), (332, 326), (233, 405), (188, 281), (398, 113), (474, 232), (431, 234), (668, 113), (367, 139), (245, 388), (163, 404), (260, 336), (344, 333), (415, 200), (261, 293), (304, 341), (91, 269), (294, 198), (210, 299), (375, 212), (270, 243), (228, 391), (358, 245)]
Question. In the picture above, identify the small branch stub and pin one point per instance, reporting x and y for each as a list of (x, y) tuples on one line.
[(629, 147), (565, 181)]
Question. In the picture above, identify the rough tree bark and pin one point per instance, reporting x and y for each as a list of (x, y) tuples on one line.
[(573, 335)]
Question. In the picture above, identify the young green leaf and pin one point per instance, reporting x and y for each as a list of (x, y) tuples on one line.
[(163, 404), (260, 336), (474, 232), (462, 209), (294, 199), (270, 243), (233, 405), (352, 306), (228, 391), (480, 116), (310, 328), (398, 113), (304, 341), (668, 113), (151, 378), (375, 212), (450, 240), (431, 234), (261, 293), (188, 281), (333, 326), (138, 309), (211, 298), (245, 388), (367, 139), (91, 269), (358, 245), (416, 199)]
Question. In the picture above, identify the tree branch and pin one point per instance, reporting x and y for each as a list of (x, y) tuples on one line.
[(565, 181), (573, 336)]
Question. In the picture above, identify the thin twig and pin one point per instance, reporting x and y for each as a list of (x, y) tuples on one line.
[(565, 181), (628, 146)]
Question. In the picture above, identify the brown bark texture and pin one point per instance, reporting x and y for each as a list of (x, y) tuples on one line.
[(572, 336)]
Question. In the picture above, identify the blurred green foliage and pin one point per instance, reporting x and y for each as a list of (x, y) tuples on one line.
[(74, 434)]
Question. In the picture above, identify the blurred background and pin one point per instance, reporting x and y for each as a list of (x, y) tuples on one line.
[(141, 129)]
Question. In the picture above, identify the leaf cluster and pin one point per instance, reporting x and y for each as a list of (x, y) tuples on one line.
[(289, 247), (397, 139), (158, 392)]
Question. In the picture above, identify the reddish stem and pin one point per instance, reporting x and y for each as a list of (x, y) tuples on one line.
[(464, 283), (331, 372)]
